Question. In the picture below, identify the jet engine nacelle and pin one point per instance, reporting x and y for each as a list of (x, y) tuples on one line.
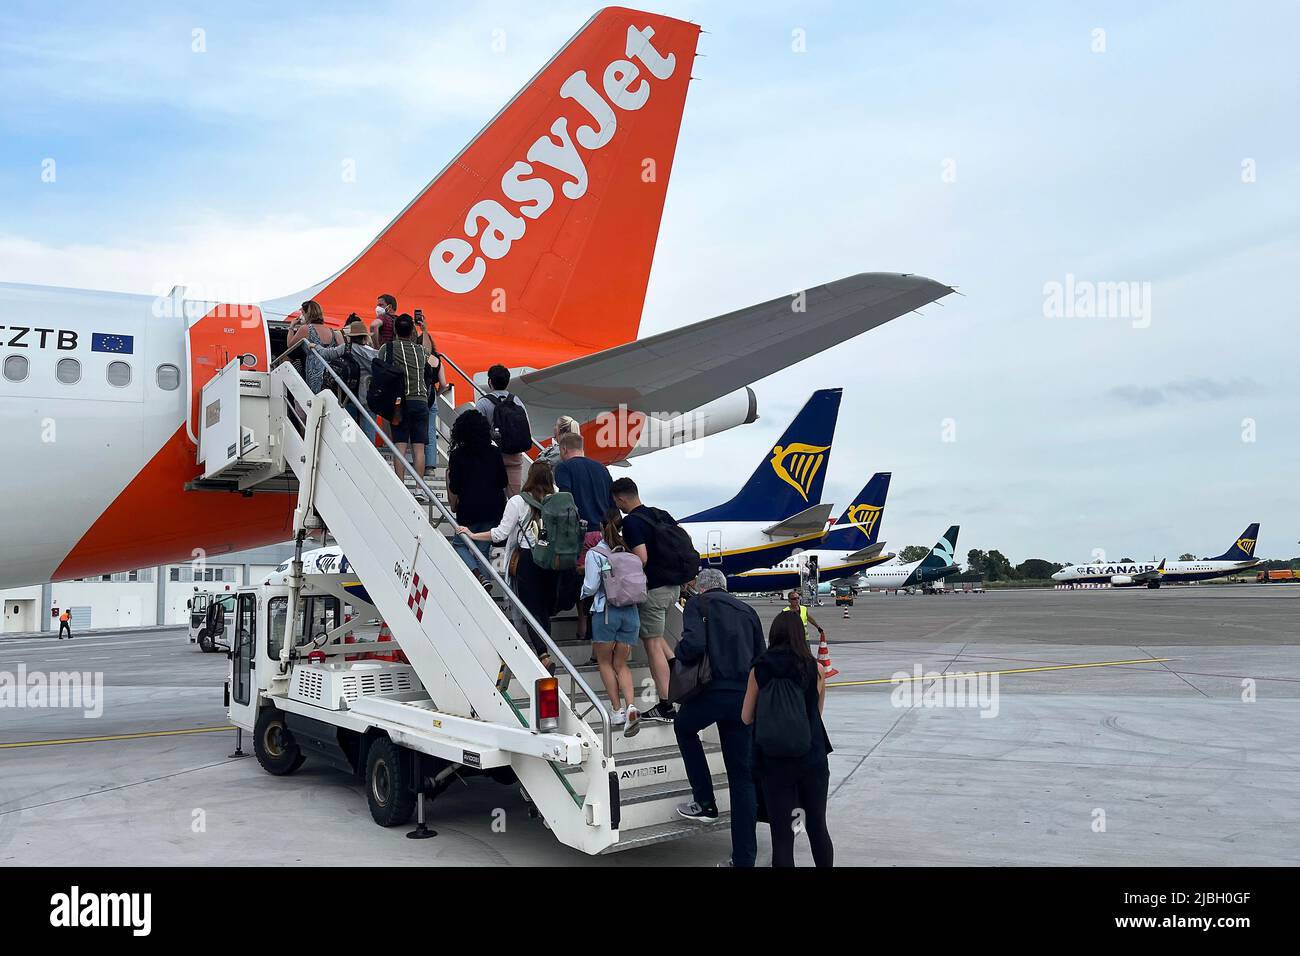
[(1121, 579), (664, 431)]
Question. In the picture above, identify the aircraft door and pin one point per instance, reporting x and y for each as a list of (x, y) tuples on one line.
[(715, 547)]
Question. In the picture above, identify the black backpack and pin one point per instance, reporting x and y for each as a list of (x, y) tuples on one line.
[(510, 424), (348, 369), (387, 383), (781, 725), (673, 558)]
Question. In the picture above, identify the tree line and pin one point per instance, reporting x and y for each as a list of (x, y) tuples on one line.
[(995, 566)]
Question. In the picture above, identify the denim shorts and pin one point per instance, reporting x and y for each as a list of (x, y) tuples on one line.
[(618, 624), (414, 426)]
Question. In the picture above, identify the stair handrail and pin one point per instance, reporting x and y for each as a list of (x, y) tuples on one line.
[(607, 734)]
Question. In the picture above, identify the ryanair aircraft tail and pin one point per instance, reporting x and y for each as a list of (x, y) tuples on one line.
[(1243, 549), (790, 477), (944, 553), (859, 526)]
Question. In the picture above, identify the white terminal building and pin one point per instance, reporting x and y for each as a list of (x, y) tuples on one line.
[(144, 597)]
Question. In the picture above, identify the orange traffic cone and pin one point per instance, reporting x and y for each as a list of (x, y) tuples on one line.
[(824, 657)]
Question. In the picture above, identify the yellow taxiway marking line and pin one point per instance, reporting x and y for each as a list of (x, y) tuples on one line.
[(92, 740), (1018, 670)]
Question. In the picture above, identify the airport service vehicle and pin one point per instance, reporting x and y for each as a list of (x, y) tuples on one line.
[(1284, 574), (849, 547), (1239, 557), (533, 248), (779, 509), (209, 612), (935, 566), (457, 691)]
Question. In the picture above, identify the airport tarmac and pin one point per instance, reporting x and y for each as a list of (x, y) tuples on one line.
[(1127, 727)]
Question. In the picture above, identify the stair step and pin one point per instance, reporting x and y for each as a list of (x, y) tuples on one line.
[(655, 766), (630, 839), (657, 803)]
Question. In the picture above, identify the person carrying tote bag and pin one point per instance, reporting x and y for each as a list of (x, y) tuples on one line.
[(721, 639)]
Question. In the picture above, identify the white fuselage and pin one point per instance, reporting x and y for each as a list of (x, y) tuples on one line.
[(888, 576), (73, 441), (1174, 571), (832, 565), (735, 547)]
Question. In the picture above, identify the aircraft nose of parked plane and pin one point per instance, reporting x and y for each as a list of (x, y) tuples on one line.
[(1059, 575)]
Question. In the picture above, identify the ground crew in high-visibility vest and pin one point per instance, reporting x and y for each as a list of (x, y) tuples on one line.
[(65, 624), (801, 609)]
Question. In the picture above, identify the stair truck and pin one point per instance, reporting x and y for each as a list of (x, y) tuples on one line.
[(466, 696)]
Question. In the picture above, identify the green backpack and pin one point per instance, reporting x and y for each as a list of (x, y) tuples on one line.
[(559, 537)]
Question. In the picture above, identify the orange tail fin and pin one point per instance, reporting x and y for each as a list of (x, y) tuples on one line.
[(545, 224)]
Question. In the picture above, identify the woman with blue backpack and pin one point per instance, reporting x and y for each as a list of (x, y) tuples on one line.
[(783, 702), (614, 579)]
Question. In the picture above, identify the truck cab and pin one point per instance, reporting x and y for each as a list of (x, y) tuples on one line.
[(209, 617)]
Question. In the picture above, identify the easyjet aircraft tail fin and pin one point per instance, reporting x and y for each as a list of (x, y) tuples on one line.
[(545, 224)]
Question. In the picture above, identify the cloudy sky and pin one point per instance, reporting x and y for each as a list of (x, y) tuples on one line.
[(1002, 148)]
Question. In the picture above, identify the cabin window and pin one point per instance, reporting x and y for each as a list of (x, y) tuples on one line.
[(119, 374), (68, 371), (168, 378), (16, 368)]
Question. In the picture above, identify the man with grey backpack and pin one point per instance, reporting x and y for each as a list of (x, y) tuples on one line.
[(614, 579)]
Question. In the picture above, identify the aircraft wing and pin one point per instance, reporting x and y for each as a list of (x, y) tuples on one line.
[(808, 521), (684, 368), (865, 553)]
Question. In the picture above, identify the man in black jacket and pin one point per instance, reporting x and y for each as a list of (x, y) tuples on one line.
[(728, 631)]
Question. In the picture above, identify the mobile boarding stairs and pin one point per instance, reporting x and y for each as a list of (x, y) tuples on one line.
[(474, 698)]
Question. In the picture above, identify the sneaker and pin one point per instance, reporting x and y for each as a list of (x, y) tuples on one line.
[(620, 718), (662, 712), (727, 863), (696, 811), (421, 497)]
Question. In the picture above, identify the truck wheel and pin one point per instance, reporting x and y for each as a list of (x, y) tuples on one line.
[(274, 745), (205, 642), (388, 784)]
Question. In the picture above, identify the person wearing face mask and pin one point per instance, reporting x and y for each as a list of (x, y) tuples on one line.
[(382, 330)]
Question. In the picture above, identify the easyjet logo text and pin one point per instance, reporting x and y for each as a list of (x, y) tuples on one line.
[(459, 264)]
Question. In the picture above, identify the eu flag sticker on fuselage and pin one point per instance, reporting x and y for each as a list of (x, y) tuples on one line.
[(107, 342)]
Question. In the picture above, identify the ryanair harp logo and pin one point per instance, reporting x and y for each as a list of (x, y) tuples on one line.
[(1247, 545), (864, 517), (797, 464)]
